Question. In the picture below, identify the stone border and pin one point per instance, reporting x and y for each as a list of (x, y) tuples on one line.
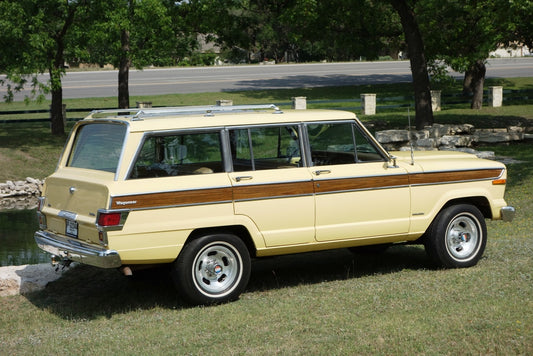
[(450, 137), (25, 279)]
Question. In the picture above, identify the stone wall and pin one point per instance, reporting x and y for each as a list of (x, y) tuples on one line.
[(20, 194), (449, 137)]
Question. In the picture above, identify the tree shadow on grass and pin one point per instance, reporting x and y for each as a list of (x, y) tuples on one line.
[(87, 292)]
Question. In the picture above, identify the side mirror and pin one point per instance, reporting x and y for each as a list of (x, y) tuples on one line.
[(392, 162)]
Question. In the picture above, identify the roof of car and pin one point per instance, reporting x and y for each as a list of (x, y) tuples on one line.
[(169, 118)]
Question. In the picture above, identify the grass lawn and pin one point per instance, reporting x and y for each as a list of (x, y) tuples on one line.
[(327, 303)]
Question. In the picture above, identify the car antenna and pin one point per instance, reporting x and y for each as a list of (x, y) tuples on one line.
[(410, 137)]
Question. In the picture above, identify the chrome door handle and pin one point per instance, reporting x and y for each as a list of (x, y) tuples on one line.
[(239, 178), (322, 171)]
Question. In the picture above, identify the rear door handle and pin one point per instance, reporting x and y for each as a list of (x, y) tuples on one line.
[(322, 171), (239, 178)]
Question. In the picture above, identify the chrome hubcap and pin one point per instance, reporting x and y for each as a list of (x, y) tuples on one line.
[(217, 268), (463, 237)]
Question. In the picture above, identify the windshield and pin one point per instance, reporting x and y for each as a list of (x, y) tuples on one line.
[(97, 146)]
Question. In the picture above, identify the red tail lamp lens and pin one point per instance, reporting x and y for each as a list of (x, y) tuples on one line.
[(109, 219)]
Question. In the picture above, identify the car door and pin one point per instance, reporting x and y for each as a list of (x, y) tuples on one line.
[(357, 193), (271, 184)]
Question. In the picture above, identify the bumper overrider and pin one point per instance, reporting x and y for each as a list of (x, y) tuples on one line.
[(77, 251), (507, 213)]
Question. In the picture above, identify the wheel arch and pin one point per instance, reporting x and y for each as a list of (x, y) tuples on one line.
[(480, 202), (238, 230)]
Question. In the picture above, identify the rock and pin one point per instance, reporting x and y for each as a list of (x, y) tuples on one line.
[(27, 278), (388, 136)]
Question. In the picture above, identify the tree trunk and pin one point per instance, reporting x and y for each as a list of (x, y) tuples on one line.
[(424, 112), (57, 125), (477, 73), (124, 72)]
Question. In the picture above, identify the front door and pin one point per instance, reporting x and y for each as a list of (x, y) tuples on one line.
[(358, 195)]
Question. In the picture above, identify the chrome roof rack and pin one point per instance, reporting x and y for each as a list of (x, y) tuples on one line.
[(208, 110)]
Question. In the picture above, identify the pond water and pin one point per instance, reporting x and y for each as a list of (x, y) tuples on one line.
[(17, 245)]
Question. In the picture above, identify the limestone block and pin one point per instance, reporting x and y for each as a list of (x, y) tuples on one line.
[(495, 96), (456, 140), (426, 142), (388, 136), (299, 103), (368, 104)]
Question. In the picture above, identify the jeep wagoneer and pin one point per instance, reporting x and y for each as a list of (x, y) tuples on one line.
[(206, 189)]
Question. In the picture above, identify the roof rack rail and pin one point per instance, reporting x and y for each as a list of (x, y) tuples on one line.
[(139, 114)]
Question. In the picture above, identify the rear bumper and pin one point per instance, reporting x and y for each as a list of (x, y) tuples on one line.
[(77, 251), (507, 213)]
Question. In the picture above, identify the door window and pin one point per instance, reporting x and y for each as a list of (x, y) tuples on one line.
[(340, 143), (270, 147)]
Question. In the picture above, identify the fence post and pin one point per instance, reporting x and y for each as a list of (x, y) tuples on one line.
[(144, 104), (435, 100), (224, 102), (495, 96), (299, 102), (368, 104)]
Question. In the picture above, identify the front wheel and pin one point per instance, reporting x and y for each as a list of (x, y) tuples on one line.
[(212, 269), (457, 237)]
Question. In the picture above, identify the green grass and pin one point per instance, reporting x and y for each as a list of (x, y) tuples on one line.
[(331, 302)]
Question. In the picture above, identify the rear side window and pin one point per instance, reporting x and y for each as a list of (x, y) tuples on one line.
[(179, 154), (97, 146), (270, 147)]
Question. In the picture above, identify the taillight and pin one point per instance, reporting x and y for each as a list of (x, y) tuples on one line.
[(109, 219)]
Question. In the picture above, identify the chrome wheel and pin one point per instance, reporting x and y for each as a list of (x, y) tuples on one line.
[(217, 269), (462, 236), (457, 237)]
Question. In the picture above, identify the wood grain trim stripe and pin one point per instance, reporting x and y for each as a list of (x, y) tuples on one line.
[(185, 197), (278, 190), (293, 189), (454, 176), (361, 183)]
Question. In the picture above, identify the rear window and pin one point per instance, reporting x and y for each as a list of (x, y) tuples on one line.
[(97, 146)]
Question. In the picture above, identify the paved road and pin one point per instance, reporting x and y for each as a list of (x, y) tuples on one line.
[(229, 78)]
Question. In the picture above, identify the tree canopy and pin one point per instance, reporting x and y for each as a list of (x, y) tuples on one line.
[(43, 35)]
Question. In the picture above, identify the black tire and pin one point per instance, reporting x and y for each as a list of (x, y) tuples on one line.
[(212, 269), (457, 237)]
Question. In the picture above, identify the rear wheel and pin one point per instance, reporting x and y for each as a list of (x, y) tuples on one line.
[(212, 269), (457, 237)]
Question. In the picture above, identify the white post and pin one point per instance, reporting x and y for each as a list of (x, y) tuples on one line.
[(299, 102), (224, 102), (495, 96), (144, 104), (435, 100), (368, 104)]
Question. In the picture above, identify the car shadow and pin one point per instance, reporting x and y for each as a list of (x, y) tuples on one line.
[(86, 292)]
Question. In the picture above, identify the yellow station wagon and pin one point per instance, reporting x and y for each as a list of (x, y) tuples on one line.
[(206, 189)]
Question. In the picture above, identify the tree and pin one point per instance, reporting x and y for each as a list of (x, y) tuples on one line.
[(36, 34), (462, 33), (415, 44), (128, 33)]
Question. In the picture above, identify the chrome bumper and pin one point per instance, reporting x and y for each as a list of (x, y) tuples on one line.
[(507, 213), (77, 251)]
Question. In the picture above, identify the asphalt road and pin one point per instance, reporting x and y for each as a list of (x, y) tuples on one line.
[(254, 77)]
